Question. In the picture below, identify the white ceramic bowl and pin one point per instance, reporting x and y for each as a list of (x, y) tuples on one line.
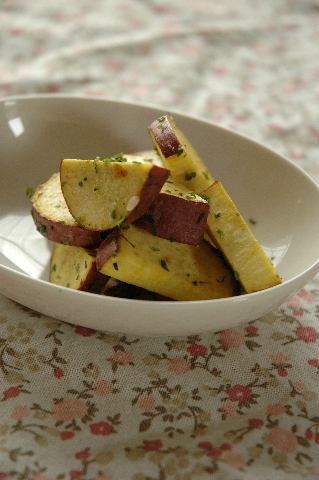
[(36, 132)]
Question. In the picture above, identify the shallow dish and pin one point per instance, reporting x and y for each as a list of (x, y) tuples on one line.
[(37, 131)]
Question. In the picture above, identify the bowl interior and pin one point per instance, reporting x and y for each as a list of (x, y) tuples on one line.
[(279, 201)]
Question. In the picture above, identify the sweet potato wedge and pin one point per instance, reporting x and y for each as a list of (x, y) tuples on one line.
[(53, 219), (75, 267), (179, 155), (101, 194), (233, 237), (174, 270), (177, 215)]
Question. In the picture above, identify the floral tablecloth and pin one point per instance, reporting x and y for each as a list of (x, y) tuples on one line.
[(239, 404)]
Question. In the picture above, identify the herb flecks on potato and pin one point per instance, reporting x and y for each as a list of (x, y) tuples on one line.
[(179, 155), (233, 237), (75, 267), (103, 193), (53, 219), (172, 269), (162, 227), (176, 214)]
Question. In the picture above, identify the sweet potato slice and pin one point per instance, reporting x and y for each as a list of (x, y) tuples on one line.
[(75, 267), (233, 237), (176, 215), (53, 219), (179, 155), (174, 270), (101, 194)]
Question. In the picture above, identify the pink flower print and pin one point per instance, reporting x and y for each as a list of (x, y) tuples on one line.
[(58, 372), (68, 409), (3, 475), (299, 386), (214, 453), (276, 127), (231, 338), (147, 403), (307, 334), (16, 31), (85, 331), (307, 296), (225, 447), (122, 357), (66, 435), (282, 440), (103, 387), (220, 71), (229, 408), (75, 474), (218, 107), (275, 409), (11, 392), (255, 422), (251, 330), (178, 365), (239, 393), (233, 459), (279, 359), (314, 362), (295, 304), (152, 445), (101, 428), (20, 412), (53, 88), (294, 155), (114, 66), (309, 435), (205, 445), (314, 131), (197, 350), (83, 455)]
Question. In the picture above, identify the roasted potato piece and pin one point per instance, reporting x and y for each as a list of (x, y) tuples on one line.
[(233, 237), (174, 270), (101, 194), (75, 267), (179, 155), (53, 219), (177, 215)]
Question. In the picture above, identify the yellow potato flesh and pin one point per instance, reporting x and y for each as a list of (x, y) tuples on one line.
[(186, 166), (100, 194), (233, 237), (70, 266), (175, 270)]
